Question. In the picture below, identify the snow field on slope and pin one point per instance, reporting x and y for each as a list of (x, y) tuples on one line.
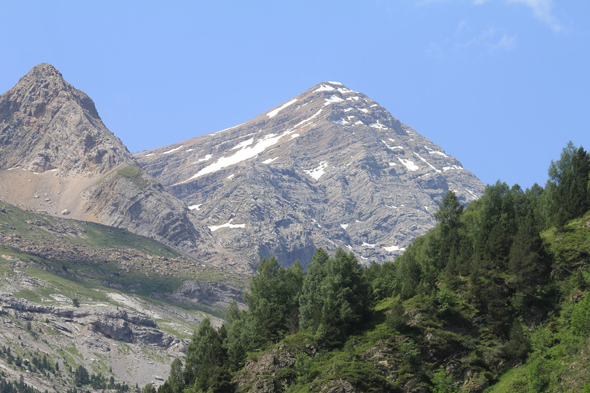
[(274, 112), (248, 150), (227, 225), (317, 172), (409, 164)]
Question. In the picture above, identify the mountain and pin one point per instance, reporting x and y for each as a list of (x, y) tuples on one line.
[(329, 168), (57, 157), (87, 295)]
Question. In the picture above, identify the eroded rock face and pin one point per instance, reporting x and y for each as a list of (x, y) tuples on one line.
[(210, 293), (58, 158), (47, 124), (142, 206), (330, 168), (110, 322)]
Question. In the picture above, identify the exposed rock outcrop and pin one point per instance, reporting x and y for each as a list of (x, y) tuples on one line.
[(329, 168), (46, 124), (58, 158)]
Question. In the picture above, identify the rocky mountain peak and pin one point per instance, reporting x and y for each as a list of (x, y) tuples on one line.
[(43, 70), (57, 157), (47, 124), (328, 168)]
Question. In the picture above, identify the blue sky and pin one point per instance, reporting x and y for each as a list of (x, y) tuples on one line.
[(502, 85)]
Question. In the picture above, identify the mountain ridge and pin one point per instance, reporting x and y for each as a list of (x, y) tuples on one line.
[(329, 148), (58, 158)]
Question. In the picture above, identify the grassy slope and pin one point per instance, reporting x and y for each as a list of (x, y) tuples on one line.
[(31, 275), (557, 362), (559, 358), (80, 277)]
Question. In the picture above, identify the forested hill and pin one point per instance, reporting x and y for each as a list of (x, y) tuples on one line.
[(491, 299)]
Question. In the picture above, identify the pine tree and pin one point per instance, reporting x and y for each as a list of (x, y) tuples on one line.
[(346, 298), (311, 301), (568, 185), (273, 301)]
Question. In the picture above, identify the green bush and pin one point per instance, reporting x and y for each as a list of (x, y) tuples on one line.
[(442, 382), (581, 317)]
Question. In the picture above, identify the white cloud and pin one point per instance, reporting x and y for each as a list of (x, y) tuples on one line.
[(541, 10), (484, 36), (488, 41), (506, 43), (460, 27)]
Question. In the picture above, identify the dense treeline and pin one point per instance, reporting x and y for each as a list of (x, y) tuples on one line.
[(475, 286), (15, 387), (330, 300)]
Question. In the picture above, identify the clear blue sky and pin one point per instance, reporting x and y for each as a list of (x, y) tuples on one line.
[(500, 84)]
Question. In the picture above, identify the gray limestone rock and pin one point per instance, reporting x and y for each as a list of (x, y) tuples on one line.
[(330, 168), (52, 141)]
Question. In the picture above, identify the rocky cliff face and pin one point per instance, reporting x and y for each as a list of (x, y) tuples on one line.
[(57, 157), (46, 124), (330, 168)]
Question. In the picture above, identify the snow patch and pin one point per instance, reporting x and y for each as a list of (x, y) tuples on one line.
[(365, 110), (231, 176), (368, 245), (245, 153), (472, 193), (342, 121), (325, 88), (392, 164), (294, 136), (378, 126), (393, 248), (344, 226), (409, 164), (231, 128), (430, 151), (344, 90), (195, 207), (228, 225), (332, 100), (349, 247), (243, 144), (269, 160), (348, 109), (317, 172), (391, 147), (335, 83), (358, 122), (173, 150), (427, 163), (147, 155), (305, 121), (274, 112), (448, 168), (207, 158), (374, 105)]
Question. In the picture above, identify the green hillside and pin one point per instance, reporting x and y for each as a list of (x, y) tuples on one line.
[(492, 299), (59, 266)]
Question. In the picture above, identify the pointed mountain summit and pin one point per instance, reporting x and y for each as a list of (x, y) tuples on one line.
[(50, 125), (57, 157), (329, 168)]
